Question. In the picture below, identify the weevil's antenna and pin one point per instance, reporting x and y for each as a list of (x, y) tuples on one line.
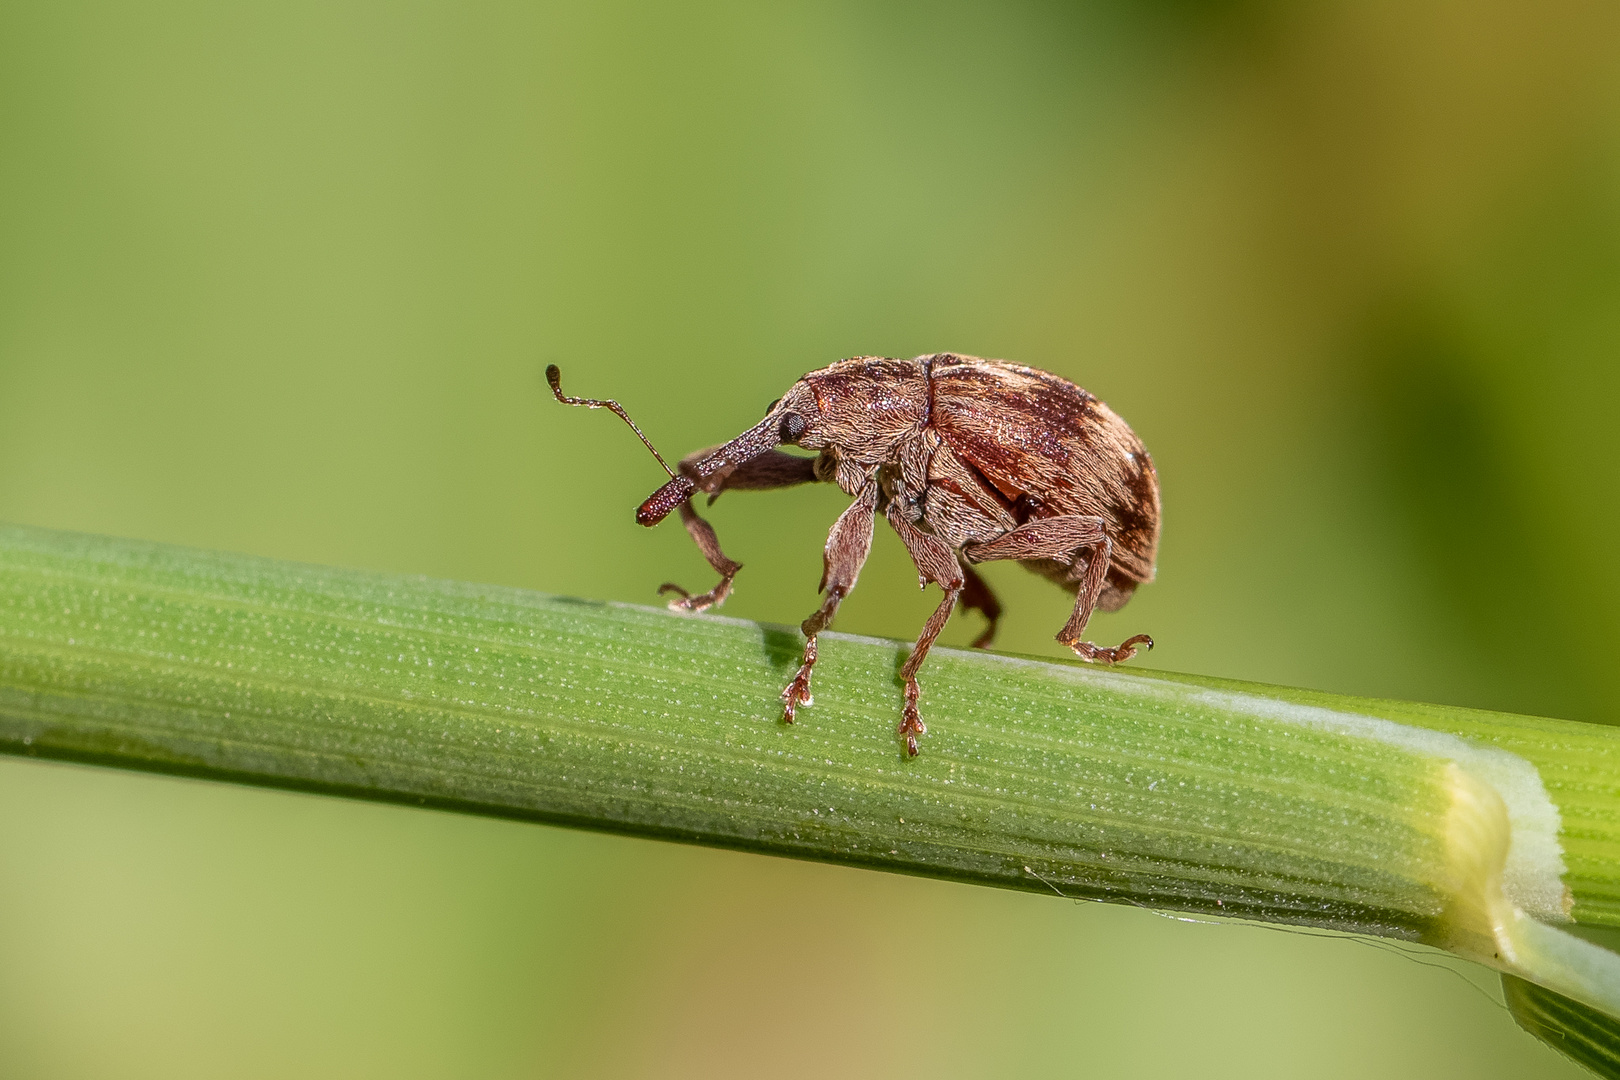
[(554, 377)]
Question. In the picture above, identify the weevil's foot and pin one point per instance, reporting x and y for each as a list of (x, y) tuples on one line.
[(685, 601), (911, 724), (796, 694), (1120, 653)]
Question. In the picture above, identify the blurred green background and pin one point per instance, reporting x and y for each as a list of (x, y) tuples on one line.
[(281, 279)]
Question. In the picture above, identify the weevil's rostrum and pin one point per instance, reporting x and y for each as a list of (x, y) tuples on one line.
[(970, 461)]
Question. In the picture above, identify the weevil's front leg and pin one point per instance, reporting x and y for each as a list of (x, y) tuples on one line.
[(1066, 539), (976, 596), (773, 469), (936, 562), (702, 534), (845, 554)]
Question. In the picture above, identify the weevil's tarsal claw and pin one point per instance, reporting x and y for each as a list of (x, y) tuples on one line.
[(1120, 653), (911, 724), (797, 692), (685, 601)]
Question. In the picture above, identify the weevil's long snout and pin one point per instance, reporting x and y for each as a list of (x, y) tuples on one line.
[(662, 501), (762, 437)]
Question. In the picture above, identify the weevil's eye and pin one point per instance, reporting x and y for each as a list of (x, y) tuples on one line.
[(793, 426), (772, 406)]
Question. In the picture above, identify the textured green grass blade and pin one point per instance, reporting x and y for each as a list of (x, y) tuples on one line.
[(1578, 763), (1034, 775), (1580, 1033)]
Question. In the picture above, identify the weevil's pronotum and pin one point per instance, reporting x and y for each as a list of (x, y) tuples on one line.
[(970, 460)]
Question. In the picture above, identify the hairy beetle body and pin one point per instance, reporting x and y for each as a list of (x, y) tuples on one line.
[(970, 460)]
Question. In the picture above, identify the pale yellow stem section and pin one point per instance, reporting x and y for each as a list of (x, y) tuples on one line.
[(1483, 924)]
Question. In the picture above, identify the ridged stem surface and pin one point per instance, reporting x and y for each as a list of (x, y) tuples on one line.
[(1145, 788)]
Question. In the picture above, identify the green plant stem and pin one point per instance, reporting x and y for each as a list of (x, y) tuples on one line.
[(1192, 794)]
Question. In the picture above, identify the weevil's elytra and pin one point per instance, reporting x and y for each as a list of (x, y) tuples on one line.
[(969, 460)]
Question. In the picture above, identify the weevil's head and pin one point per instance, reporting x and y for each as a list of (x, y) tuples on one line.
[(858, 409), (796, 418)]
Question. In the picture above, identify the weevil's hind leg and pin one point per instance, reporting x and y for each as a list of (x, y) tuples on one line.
[(848, 543), (1066, 539), (1120, 653), (1085, 601), (773, 469), (936, 562), (976, 596), (703, 535)]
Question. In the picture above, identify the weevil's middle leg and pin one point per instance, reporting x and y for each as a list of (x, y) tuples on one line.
[(937, 563), (848, 543)]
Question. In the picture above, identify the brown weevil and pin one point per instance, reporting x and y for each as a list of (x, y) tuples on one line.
[(970, 460)]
